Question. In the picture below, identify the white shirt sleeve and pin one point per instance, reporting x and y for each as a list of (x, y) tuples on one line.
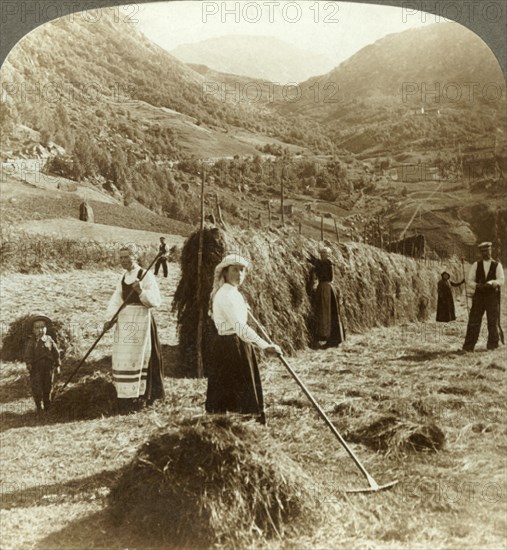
[(500, 279), (233, 310), (471, 277)]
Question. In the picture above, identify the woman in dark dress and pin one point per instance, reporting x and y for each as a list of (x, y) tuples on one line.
[(445, 303), (234, 382), (327, 325), (137, 359)]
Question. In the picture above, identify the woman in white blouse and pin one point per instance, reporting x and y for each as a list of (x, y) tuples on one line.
[(234, 382), (137, 359)]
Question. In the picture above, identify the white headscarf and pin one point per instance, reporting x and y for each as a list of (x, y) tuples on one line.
[(219, 279)]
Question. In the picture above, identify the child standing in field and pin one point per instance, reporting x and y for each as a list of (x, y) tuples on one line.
[(42, 358)]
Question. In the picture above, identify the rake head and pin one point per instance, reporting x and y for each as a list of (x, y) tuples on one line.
[(373, 488)]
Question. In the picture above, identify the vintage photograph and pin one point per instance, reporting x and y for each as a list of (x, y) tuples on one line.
[(252, 269)]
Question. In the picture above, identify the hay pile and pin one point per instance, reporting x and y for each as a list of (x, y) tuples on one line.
[(185, 297), (376, 288), (392, 434), (14, 342), (213, 481), (92, 396)]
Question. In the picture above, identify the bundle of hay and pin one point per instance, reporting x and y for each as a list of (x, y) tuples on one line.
[(14, 342), (392, 434), (92, 396), (213, 481), (186, 302)]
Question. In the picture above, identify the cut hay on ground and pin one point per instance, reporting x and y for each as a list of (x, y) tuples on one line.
[(92, 396), (376, 288), (214, 481), (14, 342), (392, 434)]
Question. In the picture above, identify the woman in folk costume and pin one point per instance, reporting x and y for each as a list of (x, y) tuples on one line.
[(445, 302), (137, 358), (234, 382), (327, 325)]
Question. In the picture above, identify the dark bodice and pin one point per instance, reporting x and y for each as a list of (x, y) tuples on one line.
[(324, 271), (125, 291)]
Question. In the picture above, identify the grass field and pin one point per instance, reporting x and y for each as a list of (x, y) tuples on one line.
[(57, 471), (22, 203)]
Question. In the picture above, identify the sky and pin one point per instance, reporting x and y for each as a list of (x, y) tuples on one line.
[(334, 29)]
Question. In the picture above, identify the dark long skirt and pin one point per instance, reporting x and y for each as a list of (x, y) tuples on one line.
[(445, 305), (234, 383), (327, 324), (154, 377)]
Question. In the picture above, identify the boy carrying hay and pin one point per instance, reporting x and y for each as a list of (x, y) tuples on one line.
[(42, 358)]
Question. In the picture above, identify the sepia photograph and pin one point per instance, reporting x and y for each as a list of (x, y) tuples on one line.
[(252, 266)]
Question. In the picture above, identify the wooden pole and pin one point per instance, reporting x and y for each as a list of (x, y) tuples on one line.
[(322, 228), (336, 231), (200, 367), (269, 214), (281, 197), (219, 211), (300, 228)]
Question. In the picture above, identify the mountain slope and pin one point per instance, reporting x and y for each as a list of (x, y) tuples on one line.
[(367, 99)]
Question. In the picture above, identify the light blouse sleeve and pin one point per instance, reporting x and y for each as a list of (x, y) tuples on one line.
[(232, 307), (150, 293)]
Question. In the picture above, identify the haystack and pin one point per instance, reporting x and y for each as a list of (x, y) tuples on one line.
[(92, 396), (186, 302), (376, 288), (14, 342), (86, 212), (213, 481)]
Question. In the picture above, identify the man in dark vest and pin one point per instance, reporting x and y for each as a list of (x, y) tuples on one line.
[(485, 278), (163, 251)]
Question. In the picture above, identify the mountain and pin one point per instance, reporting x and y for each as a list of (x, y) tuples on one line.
[(110, 109), (125, 111), (369, 100), (260, 57)]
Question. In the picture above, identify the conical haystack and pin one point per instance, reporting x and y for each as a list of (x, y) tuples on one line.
[(214, 481)]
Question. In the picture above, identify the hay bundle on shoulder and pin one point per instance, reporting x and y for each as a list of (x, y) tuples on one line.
[(14, 342), (92, 396), (214, 481)]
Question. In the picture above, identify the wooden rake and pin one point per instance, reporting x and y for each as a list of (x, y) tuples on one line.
[(60, 389), (373, 485)]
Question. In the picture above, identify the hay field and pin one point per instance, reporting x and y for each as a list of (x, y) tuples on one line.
[(57, 472)]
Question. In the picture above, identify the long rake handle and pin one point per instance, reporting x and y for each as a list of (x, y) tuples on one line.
[(373, 484), (114, 318), (466, 290)]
